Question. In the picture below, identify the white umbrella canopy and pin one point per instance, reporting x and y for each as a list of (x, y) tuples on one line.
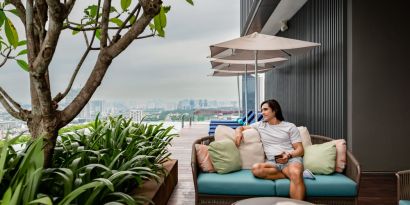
[(239, 65), (258, 46), (268, 46)]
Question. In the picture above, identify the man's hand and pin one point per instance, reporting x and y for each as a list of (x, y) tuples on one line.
[(238, 139), (283, 158)]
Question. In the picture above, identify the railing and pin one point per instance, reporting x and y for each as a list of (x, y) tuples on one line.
[(183, 119)]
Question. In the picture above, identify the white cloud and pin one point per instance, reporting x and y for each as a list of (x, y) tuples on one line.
[(173, 67)]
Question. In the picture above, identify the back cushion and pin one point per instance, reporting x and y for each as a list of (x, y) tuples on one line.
[(225, 156), (203, 158), (304, 133), (340, 154), (251, 149), (224, 132), (320, 158)]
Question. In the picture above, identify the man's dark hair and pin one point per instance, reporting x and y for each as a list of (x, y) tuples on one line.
[(274, 105)]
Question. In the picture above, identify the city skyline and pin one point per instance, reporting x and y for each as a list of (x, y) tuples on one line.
[(168, 69)]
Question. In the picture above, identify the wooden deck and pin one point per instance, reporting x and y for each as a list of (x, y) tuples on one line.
[(374, 188)]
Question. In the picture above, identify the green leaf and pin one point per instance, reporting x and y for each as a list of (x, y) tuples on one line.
[(7, 196), (2, 17), (23, 64), (13, 11), (190, 2), (92, 10), (22, 43), (133, 19), (98, 34), (44, 200), (163, 17), (11, 33), (23, 52), (125, 4), (152, 26), (117, 21), (113, 9), (166, 8)]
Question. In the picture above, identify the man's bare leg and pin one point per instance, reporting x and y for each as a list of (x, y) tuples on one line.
[(267, 171), (297, 186)]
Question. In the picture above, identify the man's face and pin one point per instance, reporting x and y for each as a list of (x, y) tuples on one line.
[(267, 112)]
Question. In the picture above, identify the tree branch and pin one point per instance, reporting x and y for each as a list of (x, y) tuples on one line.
[(20, 10), (93, 82), (60, 96), (5, 99), (104, 23), (146, 36), (151, 9), (137, 8), (6, 57)]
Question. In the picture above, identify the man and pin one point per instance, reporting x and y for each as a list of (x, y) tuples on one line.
[(283, 148)]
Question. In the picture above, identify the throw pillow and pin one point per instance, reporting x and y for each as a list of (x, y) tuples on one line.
[(203, 158), (225, 156), (224, 132), (320, 158), (304, 133), (340, 154), (251, 149)]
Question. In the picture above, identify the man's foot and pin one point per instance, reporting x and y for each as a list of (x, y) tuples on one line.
[(307, 174)]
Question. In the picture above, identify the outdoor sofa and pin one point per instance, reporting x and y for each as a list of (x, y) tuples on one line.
[(403, 187), (334, 189)]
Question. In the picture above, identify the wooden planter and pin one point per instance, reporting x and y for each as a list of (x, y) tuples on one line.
[(160, 192)]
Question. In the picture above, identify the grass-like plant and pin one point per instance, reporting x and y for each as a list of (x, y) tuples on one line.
[(106, 162)]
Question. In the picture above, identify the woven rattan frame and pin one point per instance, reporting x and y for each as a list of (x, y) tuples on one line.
[(352, 171), (403, 185)]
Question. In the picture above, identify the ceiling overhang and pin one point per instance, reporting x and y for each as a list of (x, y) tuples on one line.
[(267, 16)]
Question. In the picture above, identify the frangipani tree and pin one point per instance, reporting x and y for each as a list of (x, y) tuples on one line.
[(106, 29)]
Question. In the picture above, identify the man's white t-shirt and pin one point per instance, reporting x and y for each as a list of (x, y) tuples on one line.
[(277, 138)]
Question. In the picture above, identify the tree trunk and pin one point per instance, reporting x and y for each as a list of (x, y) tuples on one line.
[(46, 127)]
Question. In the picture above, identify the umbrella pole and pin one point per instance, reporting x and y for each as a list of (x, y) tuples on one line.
[(256, 86), (246, 94), (239, 97)]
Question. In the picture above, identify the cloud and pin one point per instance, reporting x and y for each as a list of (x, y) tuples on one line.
[(174, 67)]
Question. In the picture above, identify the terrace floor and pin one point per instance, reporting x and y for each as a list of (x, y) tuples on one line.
[(374, 188)]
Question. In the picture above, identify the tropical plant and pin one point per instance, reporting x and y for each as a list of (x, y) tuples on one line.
[(101, 166), (108, 30), (20, 173), (106, 163)]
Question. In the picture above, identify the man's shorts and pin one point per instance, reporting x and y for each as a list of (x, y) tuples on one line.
[(282, 166)]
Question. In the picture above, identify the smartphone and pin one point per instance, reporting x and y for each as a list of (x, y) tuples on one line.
[(278, 156)]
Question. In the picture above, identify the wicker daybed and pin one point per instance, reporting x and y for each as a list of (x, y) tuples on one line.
[(352, 171)]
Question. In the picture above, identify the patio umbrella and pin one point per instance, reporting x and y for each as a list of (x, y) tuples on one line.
[(258, 46), (230, 73)]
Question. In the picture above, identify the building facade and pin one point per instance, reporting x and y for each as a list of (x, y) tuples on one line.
[(354, 86)]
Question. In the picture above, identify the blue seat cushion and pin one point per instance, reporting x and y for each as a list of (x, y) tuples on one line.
[(236, 183), (324, 185), (404, 202)]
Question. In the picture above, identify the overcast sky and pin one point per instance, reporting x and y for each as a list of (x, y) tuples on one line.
[(170, 68)]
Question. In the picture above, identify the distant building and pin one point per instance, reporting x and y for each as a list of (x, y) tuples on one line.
[(136, 115)]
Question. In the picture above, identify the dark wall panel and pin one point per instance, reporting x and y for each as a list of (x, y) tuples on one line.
[(380, 84), (311, 87)]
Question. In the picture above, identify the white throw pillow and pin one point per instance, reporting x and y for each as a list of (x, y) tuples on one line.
[(304, 133), (251, 149), (224, 132)]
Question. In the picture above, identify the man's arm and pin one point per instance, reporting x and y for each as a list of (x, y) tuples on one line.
[(239, 135), (298, 150)]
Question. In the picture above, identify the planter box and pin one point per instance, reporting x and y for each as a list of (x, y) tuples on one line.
[(160, 192)]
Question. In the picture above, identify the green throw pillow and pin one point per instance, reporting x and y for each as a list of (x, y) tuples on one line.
[(320, 158), (224, 156)]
